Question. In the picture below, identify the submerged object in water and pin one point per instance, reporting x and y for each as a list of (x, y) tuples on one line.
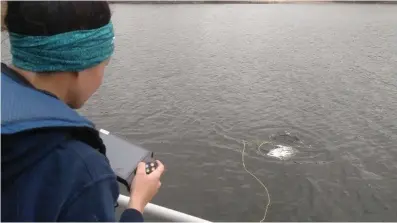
[(282, 152)]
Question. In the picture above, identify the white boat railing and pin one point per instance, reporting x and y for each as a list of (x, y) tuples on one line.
[(162, 212)]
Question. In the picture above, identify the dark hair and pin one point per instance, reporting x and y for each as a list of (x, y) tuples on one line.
[(47, 18)]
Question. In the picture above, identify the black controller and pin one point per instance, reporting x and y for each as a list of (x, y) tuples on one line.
[(150, 167)]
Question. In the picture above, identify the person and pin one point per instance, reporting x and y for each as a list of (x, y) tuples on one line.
[(53, 162)]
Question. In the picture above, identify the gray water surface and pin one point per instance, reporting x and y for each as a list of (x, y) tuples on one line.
[(191, 82)]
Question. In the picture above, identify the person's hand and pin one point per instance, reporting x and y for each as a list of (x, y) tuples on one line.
[(145, 186)]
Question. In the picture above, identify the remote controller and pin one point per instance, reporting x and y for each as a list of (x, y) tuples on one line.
[(150, 167)]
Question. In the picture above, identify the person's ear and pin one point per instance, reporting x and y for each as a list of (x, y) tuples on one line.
[(76, 73), (86, 71), (82, 73)]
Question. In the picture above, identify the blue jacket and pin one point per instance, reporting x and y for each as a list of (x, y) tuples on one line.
[(53, 166)]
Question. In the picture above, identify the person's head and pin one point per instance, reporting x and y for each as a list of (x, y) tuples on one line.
[(61, 46)]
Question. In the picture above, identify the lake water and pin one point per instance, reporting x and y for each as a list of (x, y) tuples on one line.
[(192, 82)]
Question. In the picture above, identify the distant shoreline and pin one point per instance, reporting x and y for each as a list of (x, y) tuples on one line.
[(247, 2)]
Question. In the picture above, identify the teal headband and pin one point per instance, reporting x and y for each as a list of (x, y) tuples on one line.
[(70, 51)]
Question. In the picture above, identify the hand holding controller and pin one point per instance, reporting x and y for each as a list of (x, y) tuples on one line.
[(146, 184)]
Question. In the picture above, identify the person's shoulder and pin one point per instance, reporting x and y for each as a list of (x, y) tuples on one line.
[(85, 159), (87, 173), (93, 188)]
